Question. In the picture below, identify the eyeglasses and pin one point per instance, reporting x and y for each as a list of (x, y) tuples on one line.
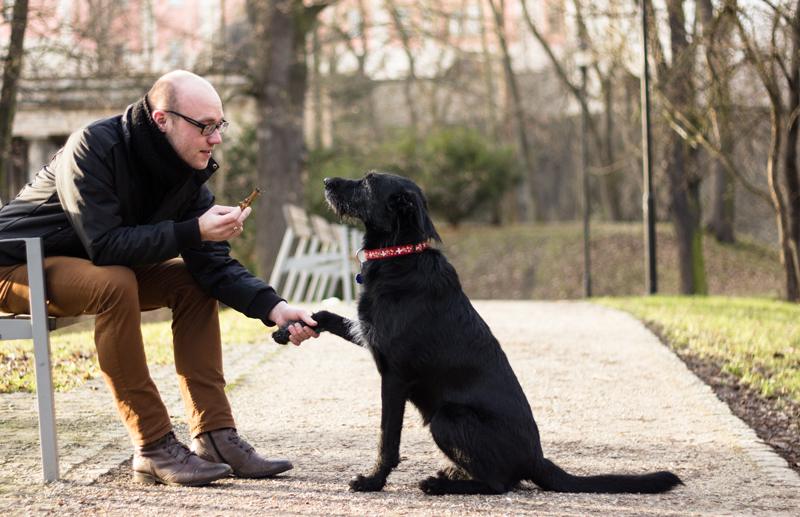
[(205, 129)]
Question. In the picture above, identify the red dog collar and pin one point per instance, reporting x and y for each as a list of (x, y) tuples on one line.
[(380, 253), (395, 251)]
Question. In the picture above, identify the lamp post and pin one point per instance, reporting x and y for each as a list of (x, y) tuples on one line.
[(648, 202)]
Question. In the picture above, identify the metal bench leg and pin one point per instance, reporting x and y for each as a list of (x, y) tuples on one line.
[(41, 353)]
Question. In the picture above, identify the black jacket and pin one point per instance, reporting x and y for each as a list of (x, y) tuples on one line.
[(90, 202)]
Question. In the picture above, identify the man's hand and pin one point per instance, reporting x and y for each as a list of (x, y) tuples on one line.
[(284, 313), (220, 223)]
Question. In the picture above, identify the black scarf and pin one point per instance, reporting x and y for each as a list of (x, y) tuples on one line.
[(158, 166)]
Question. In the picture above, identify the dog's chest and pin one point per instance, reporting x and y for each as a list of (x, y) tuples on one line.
[(363, 333)]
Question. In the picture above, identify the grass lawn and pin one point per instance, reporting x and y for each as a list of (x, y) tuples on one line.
[(755, 340)]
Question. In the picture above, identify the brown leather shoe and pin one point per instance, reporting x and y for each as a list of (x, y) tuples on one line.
[(226, 446), (170, 462)]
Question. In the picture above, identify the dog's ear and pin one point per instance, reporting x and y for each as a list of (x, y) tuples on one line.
[(413, 207)]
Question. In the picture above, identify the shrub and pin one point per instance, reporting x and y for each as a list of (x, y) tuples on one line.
[(460, 173)]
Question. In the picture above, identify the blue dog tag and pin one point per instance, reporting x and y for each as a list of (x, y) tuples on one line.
[(358, 278)]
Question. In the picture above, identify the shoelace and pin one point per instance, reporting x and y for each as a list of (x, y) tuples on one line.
[(234, 438), (175, 448)]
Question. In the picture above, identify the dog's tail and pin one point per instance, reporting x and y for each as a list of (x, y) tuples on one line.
[(550, 476)]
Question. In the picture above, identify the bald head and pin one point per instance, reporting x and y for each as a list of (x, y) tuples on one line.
[(183, 105), (177, 89)]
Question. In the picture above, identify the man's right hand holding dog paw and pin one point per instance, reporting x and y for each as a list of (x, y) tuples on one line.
[(284, 313)]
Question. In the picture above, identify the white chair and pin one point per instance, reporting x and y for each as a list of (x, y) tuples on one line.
[(321, 252), (296, 240)]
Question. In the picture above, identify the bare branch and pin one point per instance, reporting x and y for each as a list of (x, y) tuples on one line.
[(689, 131)]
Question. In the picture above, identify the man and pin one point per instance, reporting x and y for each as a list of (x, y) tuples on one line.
[(128, 225)]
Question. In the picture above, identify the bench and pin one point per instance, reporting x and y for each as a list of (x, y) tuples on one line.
[(314, 257), (37, 326)]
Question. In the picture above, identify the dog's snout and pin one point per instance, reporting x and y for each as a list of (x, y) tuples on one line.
[(327, 181)]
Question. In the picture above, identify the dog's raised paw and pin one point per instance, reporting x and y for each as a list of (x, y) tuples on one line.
[(366, 484), (282, 335)]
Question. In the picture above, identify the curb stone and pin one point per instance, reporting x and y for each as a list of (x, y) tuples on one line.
[(740, 434)]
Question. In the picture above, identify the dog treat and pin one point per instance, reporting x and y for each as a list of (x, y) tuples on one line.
[(244, 204)]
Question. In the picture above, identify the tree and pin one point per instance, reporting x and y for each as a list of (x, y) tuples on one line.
[(12, 71), (778, 68), (529, 208), (717, 32), (676, 86), (278, 71), (602, 144)]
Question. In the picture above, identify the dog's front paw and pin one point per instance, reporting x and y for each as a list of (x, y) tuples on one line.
[(366, 484), (282, 335), (433, 485)]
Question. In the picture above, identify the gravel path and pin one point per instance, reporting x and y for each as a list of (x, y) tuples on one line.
[(607, 396)]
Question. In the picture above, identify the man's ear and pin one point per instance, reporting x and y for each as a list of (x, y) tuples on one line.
[(160, 118)]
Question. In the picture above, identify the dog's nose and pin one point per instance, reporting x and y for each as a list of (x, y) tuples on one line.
[(327, 180)]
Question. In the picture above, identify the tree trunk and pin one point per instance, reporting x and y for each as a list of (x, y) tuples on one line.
[(769, 69), (784, 234), (684, 204), (527, 193), (722, 211), (410, 81), (279, 79), (12, 68), (684, 212), (790, 170), (718, 41), (609, 191), (788, 206)]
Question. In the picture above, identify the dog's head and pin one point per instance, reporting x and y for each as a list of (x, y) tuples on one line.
[(393, 208)]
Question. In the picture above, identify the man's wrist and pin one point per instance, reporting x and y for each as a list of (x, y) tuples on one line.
[(187, 234), (277, 310), (262, 306)]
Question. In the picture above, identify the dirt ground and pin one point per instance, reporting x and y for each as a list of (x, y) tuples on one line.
[(607, 396)]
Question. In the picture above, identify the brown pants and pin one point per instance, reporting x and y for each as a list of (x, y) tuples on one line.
[(117, 295)]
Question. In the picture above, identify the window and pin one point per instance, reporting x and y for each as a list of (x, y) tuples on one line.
[(175, 4), (8, 10), (474, 23), (403, 18), (456, 22), (354, 21)]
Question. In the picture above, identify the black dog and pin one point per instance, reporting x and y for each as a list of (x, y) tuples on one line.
[(432, 348)]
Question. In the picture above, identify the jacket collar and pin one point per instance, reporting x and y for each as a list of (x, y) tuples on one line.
[(127, 124)]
